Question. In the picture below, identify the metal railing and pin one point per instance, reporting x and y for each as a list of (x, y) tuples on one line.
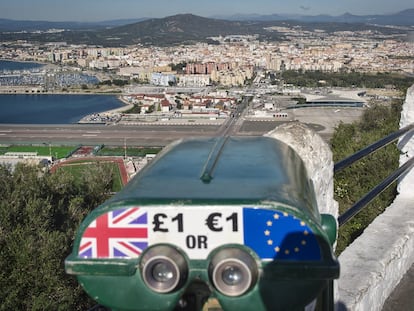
[(402, 170)]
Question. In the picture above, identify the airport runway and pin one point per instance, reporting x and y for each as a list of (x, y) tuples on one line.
[(118, 135), (322, 121), (140, 135)]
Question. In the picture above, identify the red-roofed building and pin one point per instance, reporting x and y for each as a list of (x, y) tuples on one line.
[(165, 105)]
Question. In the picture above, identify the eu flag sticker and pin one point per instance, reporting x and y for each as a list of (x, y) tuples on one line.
[(276, 235)]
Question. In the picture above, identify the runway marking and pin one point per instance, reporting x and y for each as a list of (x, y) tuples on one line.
[(5, 131), (89, 135), (2, 134), (93, 132)]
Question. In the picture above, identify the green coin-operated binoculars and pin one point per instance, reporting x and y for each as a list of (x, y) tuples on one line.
[(231, 218)]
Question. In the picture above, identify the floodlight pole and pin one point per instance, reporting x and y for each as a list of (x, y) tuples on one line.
[(125, 148)]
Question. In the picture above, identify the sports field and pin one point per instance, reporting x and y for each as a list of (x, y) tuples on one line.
[(77, 168)]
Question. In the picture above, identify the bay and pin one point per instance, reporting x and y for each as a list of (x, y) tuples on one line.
[(52, 109)]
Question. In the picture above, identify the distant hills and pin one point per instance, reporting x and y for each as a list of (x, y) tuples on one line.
[(403, 18), (10, 25), (189, 28), (177, 29)]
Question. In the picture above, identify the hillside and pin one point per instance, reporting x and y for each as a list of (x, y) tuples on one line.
[(182, 28), (187, 29)]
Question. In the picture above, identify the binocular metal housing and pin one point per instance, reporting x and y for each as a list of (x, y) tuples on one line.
[(230, 218)]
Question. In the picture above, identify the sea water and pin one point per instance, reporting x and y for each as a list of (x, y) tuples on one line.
[(52, 109)]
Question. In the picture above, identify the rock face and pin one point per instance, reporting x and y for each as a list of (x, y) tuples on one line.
[(406, 144), (317, 157)]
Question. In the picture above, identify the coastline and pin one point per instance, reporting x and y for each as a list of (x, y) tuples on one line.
[(126, 106), (109, 116)]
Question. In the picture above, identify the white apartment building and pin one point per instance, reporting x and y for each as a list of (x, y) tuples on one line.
[(198, 80)]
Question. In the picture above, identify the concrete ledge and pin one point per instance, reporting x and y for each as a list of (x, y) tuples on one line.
[(374, 264)]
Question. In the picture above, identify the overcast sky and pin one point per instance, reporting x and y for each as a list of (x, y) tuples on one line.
[(99, 10)]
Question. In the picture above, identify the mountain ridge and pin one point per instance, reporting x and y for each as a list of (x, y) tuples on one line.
[(11, 25), (402, 18), (179, 28), (187, 29)]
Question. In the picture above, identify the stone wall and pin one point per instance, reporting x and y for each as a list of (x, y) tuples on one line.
[(317, 156), (406, 144)]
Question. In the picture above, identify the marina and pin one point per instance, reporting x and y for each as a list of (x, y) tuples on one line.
[(30, 77)]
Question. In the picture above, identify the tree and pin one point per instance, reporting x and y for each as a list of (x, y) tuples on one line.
[(151, 109), (119, 82), (178, 67), (179, 104), (346, 79), (39, 215)]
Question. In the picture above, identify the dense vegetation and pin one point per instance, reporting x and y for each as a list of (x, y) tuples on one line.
[(136, 108), (353, 182), (130, 151), (39, 214), (115, 82), (342, 79)]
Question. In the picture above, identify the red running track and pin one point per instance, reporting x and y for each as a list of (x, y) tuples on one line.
[(119, 161)]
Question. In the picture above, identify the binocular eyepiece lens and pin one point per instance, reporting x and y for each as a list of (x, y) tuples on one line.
[(233, 271), (163, 269), (232, 275)]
